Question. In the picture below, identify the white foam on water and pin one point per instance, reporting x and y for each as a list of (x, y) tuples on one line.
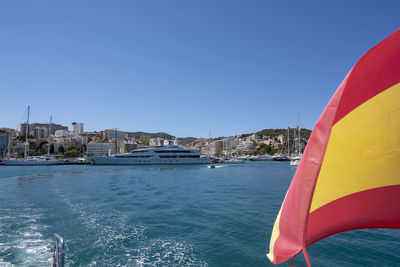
[(6, 264), (26, 245), (112, 233), (93, 263), (167, 253)]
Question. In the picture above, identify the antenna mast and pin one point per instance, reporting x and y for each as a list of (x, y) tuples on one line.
[(48, 146), (26, 133)]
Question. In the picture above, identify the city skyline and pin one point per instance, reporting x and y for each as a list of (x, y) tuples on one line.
[(184, 68), (70, 131)]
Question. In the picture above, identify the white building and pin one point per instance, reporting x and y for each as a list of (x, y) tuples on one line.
[(157, 141), (100, 149), (77, 128), (61, 133)]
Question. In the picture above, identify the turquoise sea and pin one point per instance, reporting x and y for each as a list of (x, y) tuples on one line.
[(162, 216)]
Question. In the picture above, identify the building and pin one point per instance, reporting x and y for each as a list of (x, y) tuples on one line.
[(281, 138), (19, 147), (10, 131), (61, 133), (216, 148), (144, 139), (40, 130), (112, 134), (100, 149), (77, 128), (127, 146), (82, 140), (91, 136), (4, 142), (159, 141)]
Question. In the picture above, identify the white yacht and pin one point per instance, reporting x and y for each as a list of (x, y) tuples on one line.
[(172, 154)]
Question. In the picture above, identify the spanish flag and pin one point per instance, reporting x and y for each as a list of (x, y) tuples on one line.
[(349, 175)]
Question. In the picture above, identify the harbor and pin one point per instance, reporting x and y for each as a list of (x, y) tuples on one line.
[(160, 215), (199, 133)]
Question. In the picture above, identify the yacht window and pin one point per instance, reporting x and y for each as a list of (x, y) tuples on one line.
[(180, 156)]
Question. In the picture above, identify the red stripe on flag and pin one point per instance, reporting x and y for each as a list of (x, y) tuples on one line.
[(376, 71), (374, 208)]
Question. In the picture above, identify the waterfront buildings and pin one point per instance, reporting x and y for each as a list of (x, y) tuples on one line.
[(112, 141)]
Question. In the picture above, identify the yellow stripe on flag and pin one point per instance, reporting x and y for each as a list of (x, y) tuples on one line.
[(275, 233), (363, 151)]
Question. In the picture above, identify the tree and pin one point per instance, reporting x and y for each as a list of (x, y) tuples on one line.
[(70, 154), (52, 149), (61, 149)]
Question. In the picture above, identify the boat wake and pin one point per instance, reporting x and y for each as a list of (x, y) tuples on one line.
[(125, 243), (160, 252), (26, 245)]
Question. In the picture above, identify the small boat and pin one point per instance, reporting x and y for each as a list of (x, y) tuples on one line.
[(212, 166)]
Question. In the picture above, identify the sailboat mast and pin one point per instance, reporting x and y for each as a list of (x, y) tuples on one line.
[(298, 130), (294, 142), (299, 141), (26, 133), (48, 145), (288, 141), (9, 144)]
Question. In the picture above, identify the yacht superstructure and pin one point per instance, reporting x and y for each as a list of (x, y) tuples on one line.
[(172, 154)]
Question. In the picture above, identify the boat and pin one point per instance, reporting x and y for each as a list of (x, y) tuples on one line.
[(256, 158), (280, 157), (295, 159), (33, 161), (265, 157), (234, 161), (171, 154)]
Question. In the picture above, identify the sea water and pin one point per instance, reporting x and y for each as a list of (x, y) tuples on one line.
[(162, 216)]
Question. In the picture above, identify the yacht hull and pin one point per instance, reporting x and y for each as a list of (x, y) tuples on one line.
[(156, 161), (32, 162)]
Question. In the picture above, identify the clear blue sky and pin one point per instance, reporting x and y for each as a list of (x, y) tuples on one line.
[(184, 67)]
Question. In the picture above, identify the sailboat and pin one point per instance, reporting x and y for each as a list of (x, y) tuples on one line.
[(295, 159), (33, 161)]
